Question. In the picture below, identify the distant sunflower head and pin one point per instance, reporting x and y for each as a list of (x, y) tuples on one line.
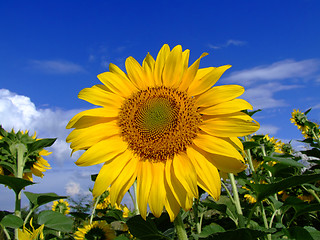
[(98, 230), (61, 206), (299, 119), (34, 163), (165, 125)]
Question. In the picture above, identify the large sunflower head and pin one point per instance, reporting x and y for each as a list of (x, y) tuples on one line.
[(99, 230), (165, 125)]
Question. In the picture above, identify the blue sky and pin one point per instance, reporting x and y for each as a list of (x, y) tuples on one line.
[(50, 50)]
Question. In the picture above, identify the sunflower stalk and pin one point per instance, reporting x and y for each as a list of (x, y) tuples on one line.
[(196, 215), (6, 233), (236, 200), (135, 203), (20, 151), (94, 208), (179, 226)]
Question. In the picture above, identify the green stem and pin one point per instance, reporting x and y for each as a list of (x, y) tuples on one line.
[(29, 214), (265, 221), (136, 207), (195, 209), (6, 232), (21, 149), (228, 192), (94, 208), (312, 192), (179, 226), (236, 199)]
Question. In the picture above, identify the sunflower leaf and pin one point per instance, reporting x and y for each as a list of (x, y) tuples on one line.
[(144, 230), (265, 190), (42, 143), (11, 221), (38, 199), (17, 184), (55, 220)]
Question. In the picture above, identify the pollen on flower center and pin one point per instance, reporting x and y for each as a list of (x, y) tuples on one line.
[(159, 122)]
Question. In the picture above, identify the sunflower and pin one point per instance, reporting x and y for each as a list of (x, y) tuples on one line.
[(99, 230), (164, 125), (61, 206), (299, 119), (27, 234), (39, 166)]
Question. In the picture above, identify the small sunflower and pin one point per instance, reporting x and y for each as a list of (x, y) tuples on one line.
[(61, 206), (39, 167), (99, 230), (164, 125), (250, 198), (35, 234), (298, 118)]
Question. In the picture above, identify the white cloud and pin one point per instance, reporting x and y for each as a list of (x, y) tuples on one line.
[(20, 113), (262, 96), (56, 66), (227, 44), (72, 188), (268, 129), (286, 69)]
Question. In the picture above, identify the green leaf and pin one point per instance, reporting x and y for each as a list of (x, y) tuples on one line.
[(121, 237), (249, 145), (55, 220), (315, 234), (241, 233), (298, 232), (285, 161), (209, 230), (40, 144), (11, 221), (38, 199), (17, 184), (264, 190), (144, 230)]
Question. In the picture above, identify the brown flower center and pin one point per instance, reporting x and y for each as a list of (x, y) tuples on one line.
[(159, 122)]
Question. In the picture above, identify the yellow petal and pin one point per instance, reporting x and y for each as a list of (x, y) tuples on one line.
[(110, 171), (97, 95), (144, 181), (173, 68), (148, 65), (230, 126), (172, 206), (203, 83), (218, 95), (90, 117), (116, 70), (124, 181), (159, 64), (157, 192), (228, 107), (223, 163), (84, 138), (190, 74), (216, 145), (208, 175), (117, 84), (185, 173), (183, 197), (136, 73), (102, 151)]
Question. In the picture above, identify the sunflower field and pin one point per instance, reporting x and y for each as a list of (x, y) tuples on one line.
[(185, 151)]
